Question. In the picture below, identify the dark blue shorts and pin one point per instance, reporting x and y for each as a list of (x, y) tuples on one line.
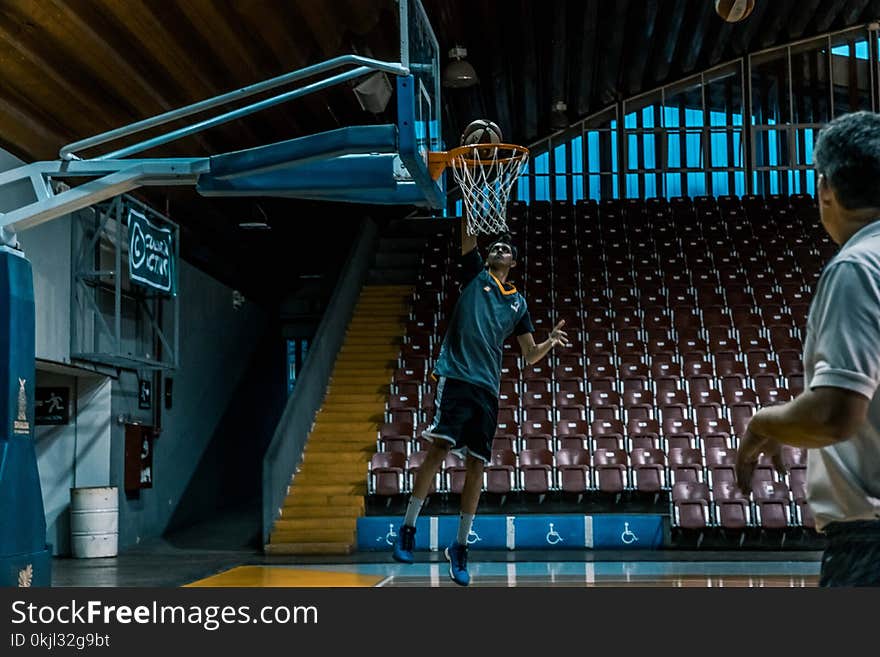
[(852, 557), (466, 416)]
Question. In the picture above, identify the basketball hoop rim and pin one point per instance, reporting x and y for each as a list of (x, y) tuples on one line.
[(439, 160)]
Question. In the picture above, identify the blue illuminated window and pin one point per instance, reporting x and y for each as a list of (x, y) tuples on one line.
[(297, 350)]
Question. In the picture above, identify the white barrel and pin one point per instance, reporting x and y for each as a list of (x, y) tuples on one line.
[(94, 521)]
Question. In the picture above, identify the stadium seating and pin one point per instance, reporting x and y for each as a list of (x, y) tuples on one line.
[(686, 317)]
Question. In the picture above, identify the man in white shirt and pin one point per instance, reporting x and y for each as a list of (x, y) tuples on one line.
[(838, 415)]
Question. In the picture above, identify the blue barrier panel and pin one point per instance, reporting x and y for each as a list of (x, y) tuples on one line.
[(487, 533), (380, 532), (560, 532), (638, 532), (527, 531)]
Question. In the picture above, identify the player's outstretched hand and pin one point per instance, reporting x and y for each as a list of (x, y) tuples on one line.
[(558, 336)]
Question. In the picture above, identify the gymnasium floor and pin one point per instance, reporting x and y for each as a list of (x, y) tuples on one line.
[(221, 552)]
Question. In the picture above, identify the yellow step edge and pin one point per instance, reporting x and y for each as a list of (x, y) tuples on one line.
[(323, 511), (326, 522), (340, 548), (313, 534), (328, 489), (310, 499)]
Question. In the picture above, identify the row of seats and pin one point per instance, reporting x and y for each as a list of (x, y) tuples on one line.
[(703, 489), (673, 431)]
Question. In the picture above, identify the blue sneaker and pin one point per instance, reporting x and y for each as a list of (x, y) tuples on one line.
[(456, 555), (403, 546)]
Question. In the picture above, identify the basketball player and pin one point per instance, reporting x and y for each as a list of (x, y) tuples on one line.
[(468, 373), (838, 415)]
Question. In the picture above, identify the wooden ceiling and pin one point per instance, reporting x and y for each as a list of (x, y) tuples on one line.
[(70, 69)]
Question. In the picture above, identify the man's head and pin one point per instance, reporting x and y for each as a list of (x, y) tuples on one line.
[(847, 160), (501, 253)]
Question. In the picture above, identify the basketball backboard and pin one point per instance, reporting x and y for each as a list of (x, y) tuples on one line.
[(385, 164), (419, 52)]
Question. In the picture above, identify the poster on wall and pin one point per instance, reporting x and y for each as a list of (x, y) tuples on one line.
[(151, 254), (138, 458), (52, 406)]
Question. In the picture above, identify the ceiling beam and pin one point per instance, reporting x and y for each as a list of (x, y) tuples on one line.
[(698, 36), (322, 24), (229, 47), (721, 44), (280, 51), (558, 52), (744, 41), (497, 88), (145, 38), (852, 12), (72, 41), (609, 79), (529, 61), (63, 23), (585, 68), (825, 16), (639, 56), (781, 14), (797, 24), (28, 134), (362, 16), (663, 60), (34, 77), (327, 25)]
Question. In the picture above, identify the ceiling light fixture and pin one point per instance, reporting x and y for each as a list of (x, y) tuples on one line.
[(559, 115), (459, 73), (259, 223)]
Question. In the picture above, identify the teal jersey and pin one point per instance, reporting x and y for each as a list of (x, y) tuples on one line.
[(486, 314)]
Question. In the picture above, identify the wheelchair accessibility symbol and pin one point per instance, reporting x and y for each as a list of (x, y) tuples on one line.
[(389, 537), (553, 536), (628, 537), (476, 537)]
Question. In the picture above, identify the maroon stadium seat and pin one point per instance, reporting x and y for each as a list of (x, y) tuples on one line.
[(690, 501), (501, 472), (649, 469), (573, 466), (536, 468), (387, 473)]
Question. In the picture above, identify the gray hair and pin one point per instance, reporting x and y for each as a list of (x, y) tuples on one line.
[(847, 153)]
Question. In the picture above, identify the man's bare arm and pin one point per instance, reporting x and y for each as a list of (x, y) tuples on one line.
[(534, 352), (816, 418)]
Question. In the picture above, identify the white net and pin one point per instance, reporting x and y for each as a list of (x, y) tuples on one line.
[(486, 173)]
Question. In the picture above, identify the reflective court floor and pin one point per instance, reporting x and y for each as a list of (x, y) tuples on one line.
[(496, 574), (223, 552)]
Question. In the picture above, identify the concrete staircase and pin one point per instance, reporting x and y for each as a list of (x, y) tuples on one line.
[(326, 495)]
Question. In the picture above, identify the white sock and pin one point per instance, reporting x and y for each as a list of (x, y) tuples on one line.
[(465, 522), (412, 511)]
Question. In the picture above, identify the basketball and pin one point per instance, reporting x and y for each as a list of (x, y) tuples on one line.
[(734, 11), (481, 131)]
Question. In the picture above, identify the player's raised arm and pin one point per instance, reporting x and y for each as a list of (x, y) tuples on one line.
[(468, 241), (533, 352)]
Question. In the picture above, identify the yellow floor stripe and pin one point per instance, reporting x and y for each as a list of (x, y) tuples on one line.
[(273, 576)]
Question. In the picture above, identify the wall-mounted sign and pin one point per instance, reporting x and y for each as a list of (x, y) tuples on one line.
[(52, 406), (138, 457), (150, 254), (145, 394)]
